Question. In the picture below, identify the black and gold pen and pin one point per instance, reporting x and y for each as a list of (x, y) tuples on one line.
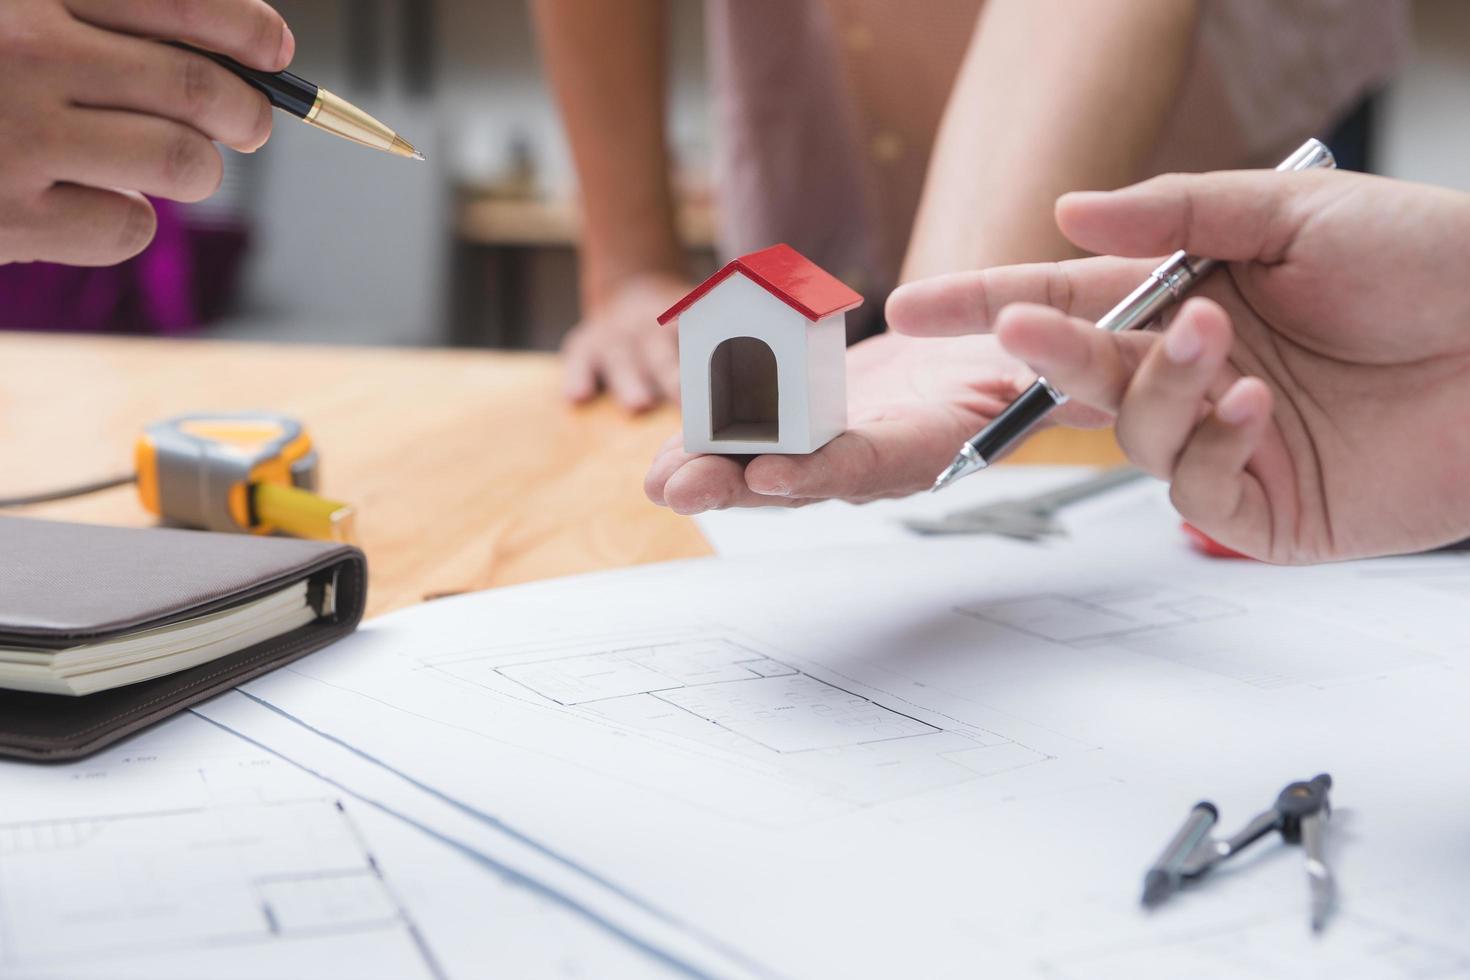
[(315, 105)]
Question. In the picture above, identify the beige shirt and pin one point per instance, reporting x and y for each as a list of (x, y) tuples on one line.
[(826, 110)]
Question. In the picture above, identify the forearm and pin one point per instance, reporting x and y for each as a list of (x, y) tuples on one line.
[(1053, 96), (606, 65)]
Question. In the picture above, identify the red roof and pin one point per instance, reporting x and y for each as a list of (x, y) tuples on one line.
[(787, 275)]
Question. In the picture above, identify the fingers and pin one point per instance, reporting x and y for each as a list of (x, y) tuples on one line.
[(85, 226), (691, 483), (639, 368), (1092, 366), (882, 459), (970, 302), (627, 380), (578, 371), (104, 148), (1212, 487), (666, 463), (1166, 395), (696, 484), (126, 73), (1239, 216), (249, 31), (842, 468), (705, 483), (1161, 390)]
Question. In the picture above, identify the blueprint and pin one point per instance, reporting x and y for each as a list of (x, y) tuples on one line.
[(899, 758), (936, 758), (136, 862), (192, 852)]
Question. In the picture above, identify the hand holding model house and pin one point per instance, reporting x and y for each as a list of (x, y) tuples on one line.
[(777, 413)]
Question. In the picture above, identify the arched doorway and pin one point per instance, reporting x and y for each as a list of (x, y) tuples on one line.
[(745, 398)]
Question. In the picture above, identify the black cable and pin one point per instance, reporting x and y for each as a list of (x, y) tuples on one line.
[(68, 492)]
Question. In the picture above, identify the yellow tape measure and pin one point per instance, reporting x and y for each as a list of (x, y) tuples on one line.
[(250, 472)]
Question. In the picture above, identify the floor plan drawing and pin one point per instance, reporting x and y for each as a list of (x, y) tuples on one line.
[(209, 862), (976, 750), (1267, 646), (1104, 614), (721, 691), (725, 684), (192, 852), (274, 871)]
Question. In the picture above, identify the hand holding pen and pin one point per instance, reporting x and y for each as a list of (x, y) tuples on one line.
[(1164, 287), (94, 114), (1311, 404)]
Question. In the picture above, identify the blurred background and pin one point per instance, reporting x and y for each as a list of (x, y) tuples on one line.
[(314, 240)]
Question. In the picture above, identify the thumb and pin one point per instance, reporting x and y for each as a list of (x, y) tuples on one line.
[(969, 302), (1237, 216)]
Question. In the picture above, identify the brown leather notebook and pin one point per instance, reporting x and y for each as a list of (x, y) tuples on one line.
[(66, 588)]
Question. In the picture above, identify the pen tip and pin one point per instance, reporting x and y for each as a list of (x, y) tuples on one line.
[(403, 148), (948, 476), (419, 156)]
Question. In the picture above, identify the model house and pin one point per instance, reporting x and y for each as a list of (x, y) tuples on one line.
[(762, 356)]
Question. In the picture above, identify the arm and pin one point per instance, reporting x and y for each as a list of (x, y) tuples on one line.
[(1053, 96), (1084, 88), (606, 65)]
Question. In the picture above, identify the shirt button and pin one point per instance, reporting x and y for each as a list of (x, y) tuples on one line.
[(887, 147)]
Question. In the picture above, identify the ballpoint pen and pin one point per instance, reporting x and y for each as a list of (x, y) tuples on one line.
[(1164, 287), (315, 105)]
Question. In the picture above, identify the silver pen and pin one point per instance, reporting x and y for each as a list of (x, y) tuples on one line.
[(1164, 287)]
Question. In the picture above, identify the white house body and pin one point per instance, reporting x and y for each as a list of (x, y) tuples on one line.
[(756, 374)]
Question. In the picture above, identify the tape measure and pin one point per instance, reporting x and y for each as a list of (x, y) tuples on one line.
[(246, 472)]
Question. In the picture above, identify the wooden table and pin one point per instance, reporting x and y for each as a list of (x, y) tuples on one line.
[(468, 469)]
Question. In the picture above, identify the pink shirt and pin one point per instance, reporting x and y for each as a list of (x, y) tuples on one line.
[(827, 109)]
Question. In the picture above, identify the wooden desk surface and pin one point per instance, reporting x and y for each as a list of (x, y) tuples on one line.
[(468, 469)]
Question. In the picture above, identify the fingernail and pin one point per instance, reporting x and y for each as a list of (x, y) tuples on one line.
[(288, 46), (773, 490), (1233, 408), (1182, 343)]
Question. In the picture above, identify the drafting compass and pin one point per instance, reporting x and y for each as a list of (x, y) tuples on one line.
[(1299, 814)]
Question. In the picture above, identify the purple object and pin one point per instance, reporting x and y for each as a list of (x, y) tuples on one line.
[(161, 291)]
